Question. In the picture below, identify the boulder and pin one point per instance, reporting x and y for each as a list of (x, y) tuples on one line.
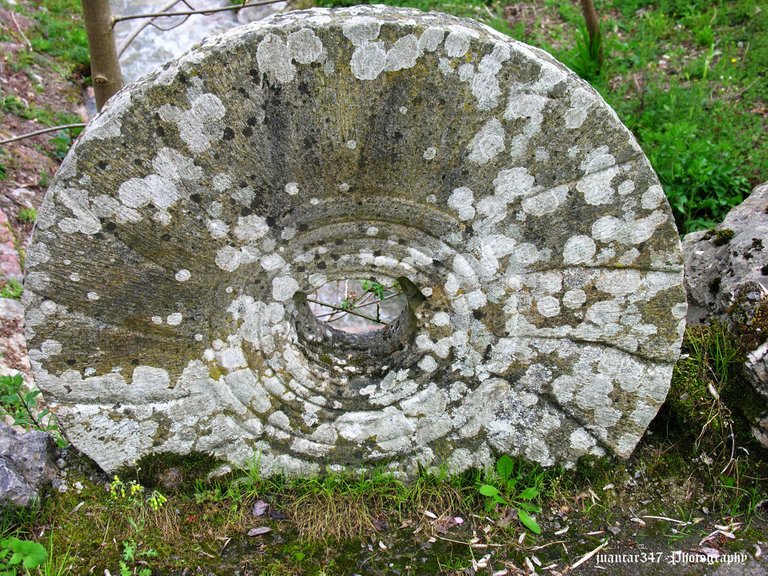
[(168, 277), (726, 271), (26, 465)]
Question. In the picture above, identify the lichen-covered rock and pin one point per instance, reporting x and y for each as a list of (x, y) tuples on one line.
[(727, 278), (26, 465), (167, 282)]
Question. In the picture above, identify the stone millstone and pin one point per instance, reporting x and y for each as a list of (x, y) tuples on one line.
[(167, 281)]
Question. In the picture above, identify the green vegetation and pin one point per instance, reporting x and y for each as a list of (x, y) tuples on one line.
[(27, 215), (59, 32), (22, 406), (47, 117), (504, 489), (11, 288), (20, 556)]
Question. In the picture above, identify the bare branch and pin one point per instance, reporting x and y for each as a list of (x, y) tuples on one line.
[(347, 311), (43, 131), (117, 19), (140, 29)]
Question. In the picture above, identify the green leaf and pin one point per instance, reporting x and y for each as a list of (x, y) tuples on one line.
[(528, 522), (529, 493), (34, 553), (505, 467), (529, 507), (488, 490)]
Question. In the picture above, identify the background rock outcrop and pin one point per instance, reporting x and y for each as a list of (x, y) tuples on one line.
[(727, 280)]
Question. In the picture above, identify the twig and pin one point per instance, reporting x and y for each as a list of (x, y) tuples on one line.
[(740, 93), (24, 36), (344, 310), (117, 19), (482, 546), (681, 522), (43, 131), (141, 28), (587, 556), (359, 305)]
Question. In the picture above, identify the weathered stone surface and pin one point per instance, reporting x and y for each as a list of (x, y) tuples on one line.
[(726, 273), (166, 283), (26, 465)]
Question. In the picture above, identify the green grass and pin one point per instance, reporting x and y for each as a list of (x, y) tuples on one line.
[(11, 289), (46, 116), (60, 31), (27, 215)]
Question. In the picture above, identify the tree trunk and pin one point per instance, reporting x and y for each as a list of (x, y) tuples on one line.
[(593, 28), (105, 68)]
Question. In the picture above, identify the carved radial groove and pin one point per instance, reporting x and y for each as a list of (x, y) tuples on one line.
[(165, 279)]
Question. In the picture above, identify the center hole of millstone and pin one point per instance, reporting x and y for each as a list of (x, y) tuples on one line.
[(359, 326), (356, 305)]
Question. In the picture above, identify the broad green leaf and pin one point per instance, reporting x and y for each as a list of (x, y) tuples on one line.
[(488, 490), (34, 553), (529, 493), (505, 466), (528, 522), (528, 507)]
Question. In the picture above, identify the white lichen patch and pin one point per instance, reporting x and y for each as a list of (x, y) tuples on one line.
[(183, 275), (403, 54), (174, 319), (368, 61), (487, 143), (283, 288), (304, 46), (579, 250), (200, 125), (361, 29), (458, 41)]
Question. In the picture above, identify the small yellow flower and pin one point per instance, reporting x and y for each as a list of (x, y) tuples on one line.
[(734, 60)]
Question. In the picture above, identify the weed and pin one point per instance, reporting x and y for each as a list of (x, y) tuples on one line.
[(21, 405), (27, 215), (16, 554), (132, 499), (11, 289), (587, 61), (505, 489)]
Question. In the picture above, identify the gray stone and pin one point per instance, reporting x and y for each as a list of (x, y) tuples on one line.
[(166, 302), (726, 271), (26, 465)]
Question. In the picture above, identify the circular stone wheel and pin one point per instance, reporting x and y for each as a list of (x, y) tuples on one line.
[(167, 281)]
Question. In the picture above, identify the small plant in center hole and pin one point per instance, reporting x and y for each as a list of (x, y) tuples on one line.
[(361, 298), (504, 489)]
